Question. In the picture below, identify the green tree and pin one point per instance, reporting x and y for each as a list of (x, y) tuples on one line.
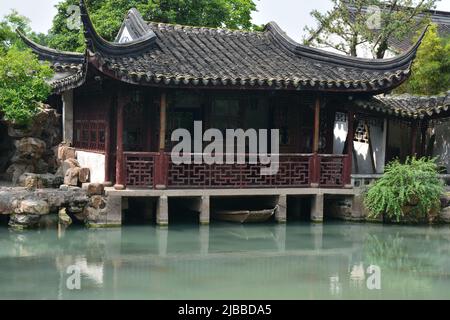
[(338, 29), (345, 31), (8, 34), (431, 69), (22, 85), (107, 15)]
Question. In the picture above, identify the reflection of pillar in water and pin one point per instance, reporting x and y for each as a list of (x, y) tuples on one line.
[(280, 234), (317, 235), (162, 235), (357, 275), (115, 282), (203, 233), (61, 230), (112, 242), (335, 285), (61, 284)]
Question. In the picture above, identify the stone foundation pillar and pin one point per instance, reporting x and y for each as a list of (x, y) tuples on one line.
[(281, 212), (108, 216), (114, 209), (162, 211), (317, 208), (204, 210), (359, 211)]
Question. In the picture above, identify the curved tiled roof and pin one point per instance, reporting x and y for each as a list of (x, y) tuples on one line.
[(176, 55), (408, 106), (134, 24), (69, 67)]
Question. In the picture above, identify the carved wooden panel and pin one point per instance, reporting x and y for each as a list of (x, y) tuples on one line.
[(139, 169), (293, 172), (331, 171)]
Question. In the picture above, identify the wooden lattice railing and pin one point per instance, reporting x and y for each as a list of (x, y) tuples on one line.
[(140, 168), (332, 170), (153, 170), (294, 171)]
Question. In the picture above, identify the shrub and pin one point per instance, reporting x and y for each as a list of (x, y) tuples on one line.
[(22, 85), (406, 190)]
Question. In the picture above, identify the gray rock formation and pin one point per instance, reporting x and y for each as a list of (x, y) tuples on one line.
[(20, 203), (33, 181), (24, 221), (33, 145)]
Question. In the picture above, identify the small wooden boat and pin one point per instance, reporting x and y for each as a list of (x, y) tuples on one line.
[(244, 216)]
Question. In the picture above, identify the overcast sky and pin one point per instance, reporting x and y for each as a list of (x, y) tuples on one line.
[(291, 15)]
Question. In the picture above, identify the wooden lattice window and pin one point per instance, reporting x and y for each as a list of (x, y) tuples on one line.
[(134, 127), (362, 132), (90, 134), (90, 122)]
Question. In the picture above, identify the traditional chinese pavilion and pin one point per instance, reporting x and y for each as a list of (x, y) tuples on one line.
[(122, 100)]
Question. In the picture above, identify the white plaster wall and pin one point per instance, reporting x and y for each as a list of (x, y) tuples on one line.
[(378, 146), (340, 135), (362, 149), (96, 164), (363, 152), (442, 144), (362, 157), (67, 121)]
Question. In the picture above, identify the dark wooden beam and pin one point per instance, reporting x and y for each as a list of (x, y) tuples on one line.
[(316, 126), (108, 141), (315, 160), (372, 159), (162, 161), (423, 140), (120, 165), (162, 121), (414, 128)]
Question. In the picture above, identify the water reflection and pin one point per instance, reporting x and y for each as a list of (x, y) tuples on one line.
[(299, 261), (357, 276), (335, 285)]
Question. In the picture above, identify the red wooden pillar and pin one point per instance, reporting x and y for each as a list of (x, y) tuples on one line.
[(107, 155), (120, 174), (413, 138), (163, 161), (316, 126), (108, 178), (349, 152), (148, 124), (315, 172), (162, 122)]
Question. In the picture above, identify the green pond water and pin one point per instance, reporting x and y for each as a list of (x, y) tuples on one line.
[(227, 261)]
